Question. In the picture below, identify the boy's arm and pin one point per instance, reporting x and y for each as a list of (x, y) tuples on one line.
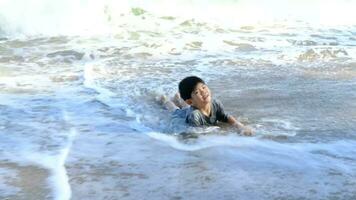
[(222, 116), (245, 130)]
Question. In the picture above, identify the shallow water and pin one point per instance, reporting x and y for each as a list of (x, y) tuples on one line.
[(79, 120)]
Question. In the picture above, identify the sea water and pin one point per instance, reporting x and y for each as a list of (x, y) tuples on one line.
[(79, 117)]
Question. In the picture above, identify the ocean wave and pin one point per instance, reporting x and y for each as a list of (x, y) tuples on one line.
[(106, 17)]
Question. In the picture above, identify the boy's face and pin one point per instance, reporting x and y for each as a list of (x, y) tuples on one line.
[(201, 96)]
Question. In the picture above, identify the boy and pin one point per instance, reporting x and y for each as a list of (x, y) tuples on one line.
[(198, 107)]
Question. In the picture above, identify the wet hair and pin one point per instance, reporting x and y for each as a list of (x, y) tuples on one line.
[(187, 85)]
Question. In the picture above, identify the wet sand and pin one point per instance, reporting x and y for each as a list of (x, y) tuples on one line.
[(30, 182), (134, 166)]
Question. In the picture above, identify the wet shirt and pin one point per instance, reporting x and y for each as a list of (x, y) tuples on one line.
[(195, 118)]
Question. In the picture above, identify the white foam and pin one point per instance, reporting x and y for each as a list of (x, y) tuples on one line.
[(26, 153), (203, 142), (276, 127), (65, 17), (26, 83), (58, 176), (334, 155), (90, 81), (56, 164)]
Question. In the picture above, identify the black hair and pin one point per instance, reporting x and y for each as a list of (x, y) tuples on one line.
[(187, 85)]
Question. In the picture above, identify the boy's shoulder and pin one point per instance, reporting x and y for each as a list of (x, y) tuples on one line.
[(194, 117), (195, 112), (217, 103)]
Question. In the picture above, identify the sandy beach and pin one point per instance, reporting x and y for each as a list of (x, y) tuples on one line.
[(24, 182)]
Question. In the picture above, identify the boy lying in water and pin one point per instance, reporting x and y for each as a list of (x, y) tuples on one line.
[(198, 107)]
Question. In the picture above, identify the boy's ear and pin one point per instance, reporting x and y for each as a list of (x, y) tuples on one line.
[(188, 101)]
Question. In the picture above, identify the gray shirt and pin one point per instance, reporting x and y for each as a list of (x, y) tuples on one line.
[(195, 118)]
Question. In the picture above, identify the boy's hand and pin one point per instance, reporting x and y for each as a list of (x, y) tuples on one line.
[(244, 130), (247, 131)]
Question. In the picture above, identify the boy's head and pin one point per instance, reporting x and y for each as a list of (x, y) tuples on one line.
[(193, 90), (187, 86)]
